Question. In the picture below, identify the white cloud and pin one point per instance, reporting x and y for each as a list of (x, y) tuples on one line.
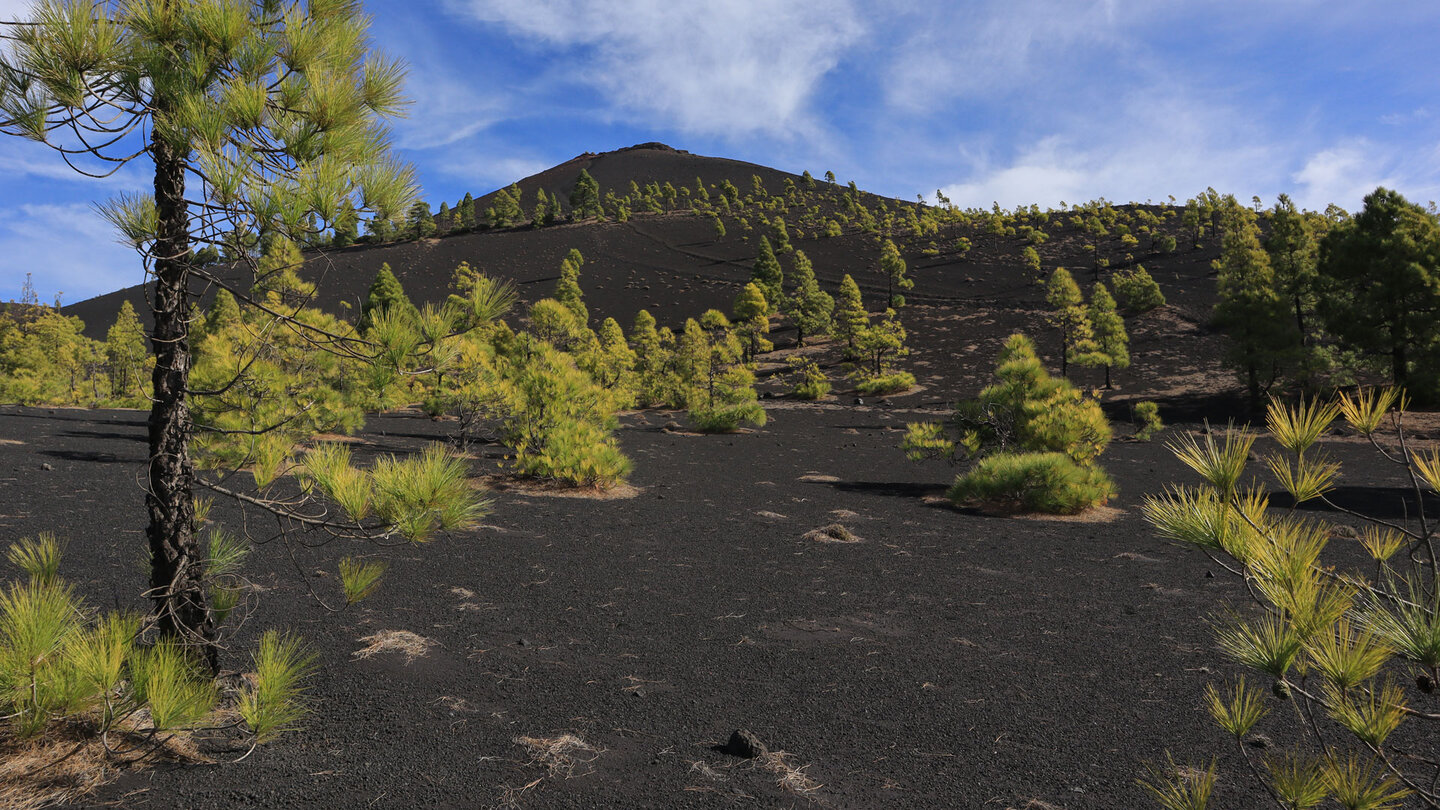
[(482, 173), (722, 67), (995, 47), (22, 158), (66, 248), (1158, 142), (444, 110), (1342, 174)]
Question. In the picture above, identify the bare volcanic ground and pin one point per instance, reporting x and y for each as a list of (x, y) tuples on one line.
[(941, 659)]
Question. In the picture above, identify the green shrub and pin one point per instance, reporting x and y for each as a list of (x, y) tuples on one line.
[(1036, 482), (810, 381), (727, 418), (1147, 414), (811, 390), (1136, 291), (886, 383)]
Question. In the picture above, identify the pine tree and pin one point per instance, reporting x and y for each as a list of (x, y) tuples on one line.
[(1067, 314), (567, 289), (347, 225), (585, 197), (752, 321), (1137, 291), (223, 312), (1250, 310), (892, 266), (615, 365), (881, 342), (505, 209), (768, 276), (1380, 277), (807, 306), (1294, 258), (125, 353), (1112, 344), (386, 295), (652, 361), (465, 212), (419, 222), (850, 314), (444, 218)]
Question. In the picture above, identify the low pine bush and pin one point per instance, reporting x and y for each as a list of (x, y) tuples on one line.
[(1036, 482), (1137, 291), (67, 669), (1147, 416), (886, 383), (727, 418)]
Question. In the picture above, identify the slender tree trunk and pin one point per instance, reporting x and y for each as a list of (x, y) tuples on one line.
[(176, 562), (1108, 386)]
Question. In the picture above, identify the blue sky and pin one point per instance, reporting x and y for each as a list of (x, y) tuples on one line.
[(1009, 101)]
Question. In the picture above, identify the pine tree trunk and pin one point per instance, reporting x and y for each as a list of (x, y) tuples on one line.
[(176, 562)]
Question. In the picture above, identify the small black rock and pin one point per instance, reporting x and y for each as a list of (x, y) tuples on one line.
[(743, 743), (525, 642), (1426, 684), (885, 403), (46, 465), (1258, 741), (859, 401)]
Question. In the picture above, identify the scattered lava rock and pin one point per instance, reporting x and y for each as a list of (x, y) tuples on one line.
[(743, 743)]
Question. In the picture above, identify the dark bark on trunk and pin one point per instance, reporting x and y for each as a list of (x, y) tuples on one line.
[(176, 561), (1107, 378)]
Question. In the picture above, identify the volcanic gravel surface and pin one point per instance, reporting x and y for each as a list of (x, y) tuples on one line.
[(942, 659)]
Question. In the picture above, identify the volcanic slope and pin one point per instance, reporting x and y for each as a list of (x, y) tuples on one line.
[(967, 297)]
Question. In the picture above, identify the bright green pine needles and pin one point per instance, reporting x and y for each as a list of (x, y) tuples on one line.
[(61, 662), (178, 693), (38, 557), (1335, 641), (1178, 787), (416, 496), (359, 578), (274, 702)]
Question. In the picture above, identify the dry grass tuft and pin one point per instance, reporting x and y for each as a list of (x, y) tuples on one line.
[(50, 771), (555, 489), (404, 642), (833, 533), (66, 764), (788, 776), (561, 756)]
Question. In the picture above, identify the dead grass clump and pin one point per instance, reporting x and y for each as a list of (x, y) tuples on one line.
[(560, 756), (68, 763), (833, 533), (787, 775), (403, 642), (50, 771), (556, 489)]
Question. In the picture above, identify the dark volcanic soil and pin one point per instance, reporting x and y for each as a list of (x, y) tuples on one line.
[(945, 660)]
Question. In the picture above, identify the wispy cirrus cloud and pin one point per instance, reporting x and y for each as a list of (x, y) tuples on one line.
[(728, 68), (67, 248)]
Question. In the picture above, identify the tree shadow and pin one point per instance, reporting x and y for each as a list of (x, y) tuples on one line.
[(90, 456), (892, 489), (1217, 408), (1386, 503), (103, 434)]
